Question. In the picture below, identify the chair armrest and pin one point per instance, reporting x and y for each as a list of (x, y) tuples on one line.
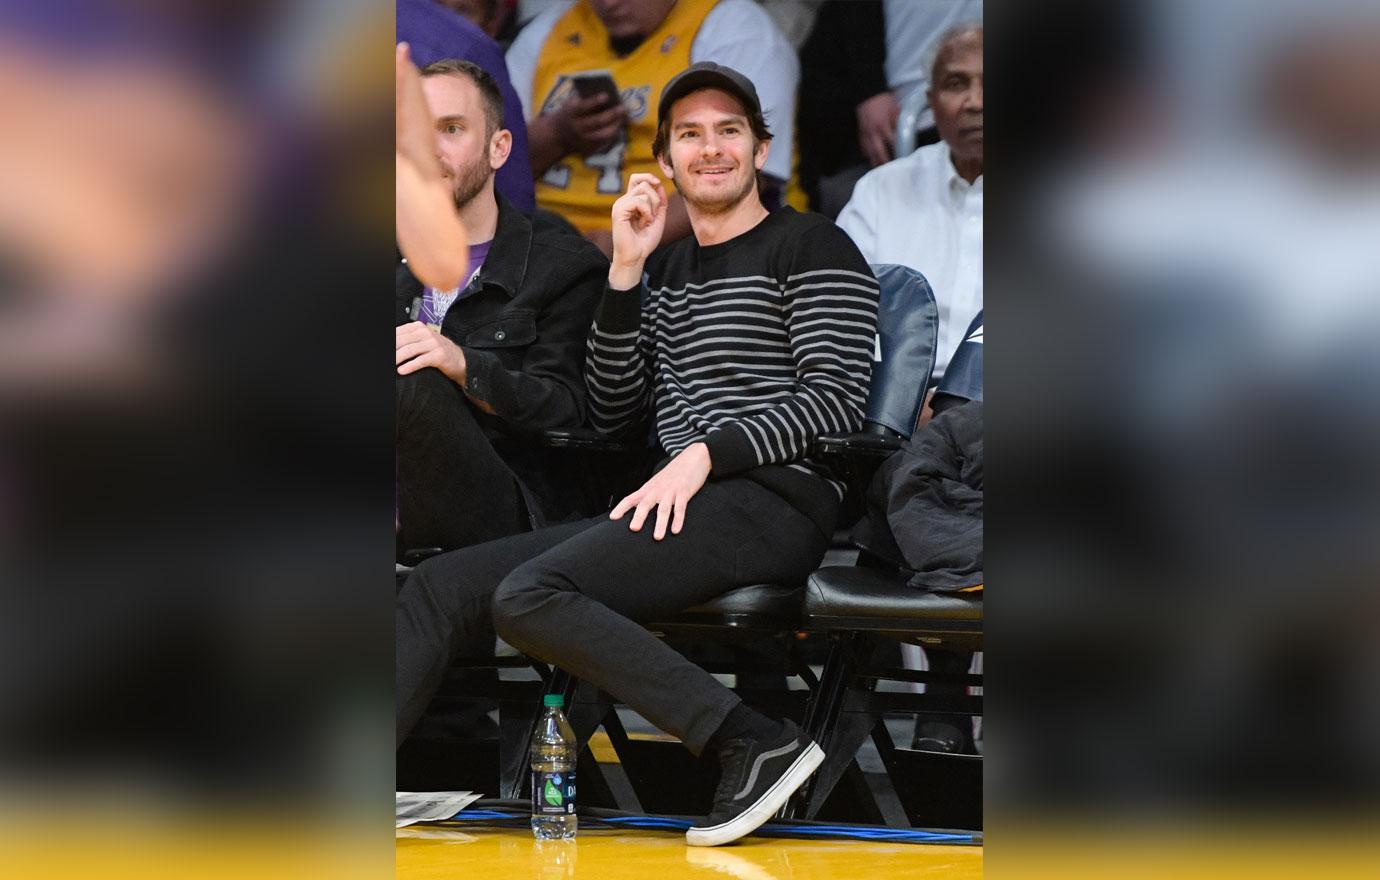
[(858, 444), (582, 438)]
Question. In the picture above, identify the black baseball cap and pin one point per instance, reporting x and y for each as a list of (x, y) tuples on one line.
[(708, 75)]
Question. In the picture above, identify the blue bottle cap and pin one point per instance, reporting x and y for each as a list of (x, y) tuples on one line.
[(556, 700)]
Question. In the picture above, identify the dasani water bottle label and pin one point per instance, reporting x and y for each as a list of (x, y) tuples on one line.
[(553, 793)]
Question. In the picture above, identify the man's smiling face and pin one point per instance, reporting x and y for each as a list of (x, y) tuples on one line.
[(712, 155)]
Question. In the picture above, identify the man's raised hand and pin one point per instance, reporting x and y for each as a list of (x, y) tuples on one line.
[(639, 218), (877, 127), (414, 138), (430, 233)]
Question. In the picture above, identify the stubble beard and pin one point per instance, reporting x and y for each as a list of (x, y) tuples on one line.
[(468, 181), (719, 204)]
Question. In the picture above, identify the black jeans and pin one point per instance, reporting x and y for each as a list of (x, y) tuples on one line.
[(453, 488), (576, 595)]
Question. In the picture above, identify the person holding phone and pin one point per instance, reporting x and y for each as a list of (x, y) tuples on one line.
[(586, 143)]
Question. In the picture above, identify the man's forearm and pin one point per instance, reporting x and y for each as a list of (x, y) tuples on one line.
[(482, 405), (545, 144), (430, 233)]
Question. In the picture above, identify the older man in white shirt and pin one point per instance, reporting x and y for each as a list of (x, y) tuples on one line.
[(925, 210)]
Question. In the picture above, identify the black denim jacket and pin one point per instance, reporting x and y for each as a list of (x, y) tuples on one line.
[(524, 331)]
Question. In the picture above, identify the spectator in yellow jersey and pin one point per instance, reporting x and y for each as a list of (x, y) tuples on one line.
[(584, 149)]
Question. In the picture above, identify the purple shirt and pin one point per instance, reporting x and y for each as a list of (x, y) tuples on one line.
[(434, 33), (436, 303)]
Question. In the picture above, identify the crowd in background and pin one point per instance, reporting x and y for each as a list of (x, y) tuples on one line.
[(876, 116)]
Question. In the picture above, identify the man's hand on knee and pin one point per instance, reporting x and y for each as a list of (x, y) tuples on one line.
[(417, 346), (669, 491)]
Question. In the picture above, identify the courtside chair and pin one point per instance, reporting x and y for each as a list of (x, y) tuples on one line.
[(907, 121), (963, 378), (855, 607)]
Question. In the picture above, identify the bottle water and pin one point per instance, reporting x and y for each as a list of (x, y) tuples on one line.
[(553, 773)]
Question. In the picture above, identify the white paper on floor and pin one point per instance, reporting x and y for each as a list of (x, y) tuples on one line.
[(429, 806)]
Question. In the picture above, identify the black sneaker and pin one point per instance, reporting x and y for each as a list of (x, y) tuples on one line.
[(758, 777)]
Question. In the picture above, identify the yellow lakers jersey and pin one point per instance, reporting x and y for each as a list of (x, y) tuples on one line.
[(582, 189)]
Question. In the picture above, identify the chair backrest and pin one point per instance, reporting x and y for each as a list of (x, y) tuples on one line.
[(907, 330), (963, 378), (906, 122)]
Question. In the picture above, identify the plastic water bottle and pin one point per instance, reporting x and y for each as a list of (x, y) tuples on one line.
[(553, 773)]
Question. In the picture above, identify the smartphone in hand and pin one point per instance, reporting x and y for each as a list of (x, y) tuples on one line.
[(596, 82)]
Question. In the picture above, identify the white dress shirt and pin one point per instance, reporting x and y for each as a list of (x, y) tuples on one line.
[(917, 211)]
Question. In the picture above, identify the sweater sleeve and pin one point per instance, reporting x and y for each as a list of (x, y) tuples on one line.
[(830, 308), (618, 362)]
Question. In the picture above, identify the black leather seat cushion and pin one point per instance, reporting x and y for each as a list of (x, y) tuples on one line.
[(760, 604), (847, 597)]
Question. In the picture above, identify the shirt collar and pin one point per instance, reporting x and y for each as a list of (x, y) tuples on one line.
[(506, 265), (954, 185)]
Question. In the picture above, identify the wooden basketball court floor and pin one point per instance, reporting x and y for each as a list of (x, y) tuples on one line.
[(424, 852), (450, 850)]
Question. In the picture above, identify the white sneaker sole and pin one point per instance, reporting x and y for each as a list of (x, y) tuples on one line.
[(766, 806)]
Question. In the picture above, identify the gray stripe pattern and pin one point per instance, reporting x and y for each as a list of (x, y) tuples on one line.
[(784, 362), (757, 766)]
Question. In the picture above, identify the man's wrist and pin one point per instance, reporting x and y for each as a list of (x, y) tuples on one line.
[(459, 369), (563, 138), (701, 451), (625, 276)]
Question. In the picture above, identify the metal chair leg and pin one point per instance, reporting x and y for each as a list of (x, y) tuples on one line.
[(822, 717)]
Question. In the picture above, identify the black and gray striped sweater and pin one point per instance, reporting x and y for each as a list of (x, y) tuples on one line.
[(754, 346)]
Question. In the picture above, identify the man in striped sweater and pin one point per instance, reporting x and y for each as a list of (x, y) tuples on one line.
[(743, 342)]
